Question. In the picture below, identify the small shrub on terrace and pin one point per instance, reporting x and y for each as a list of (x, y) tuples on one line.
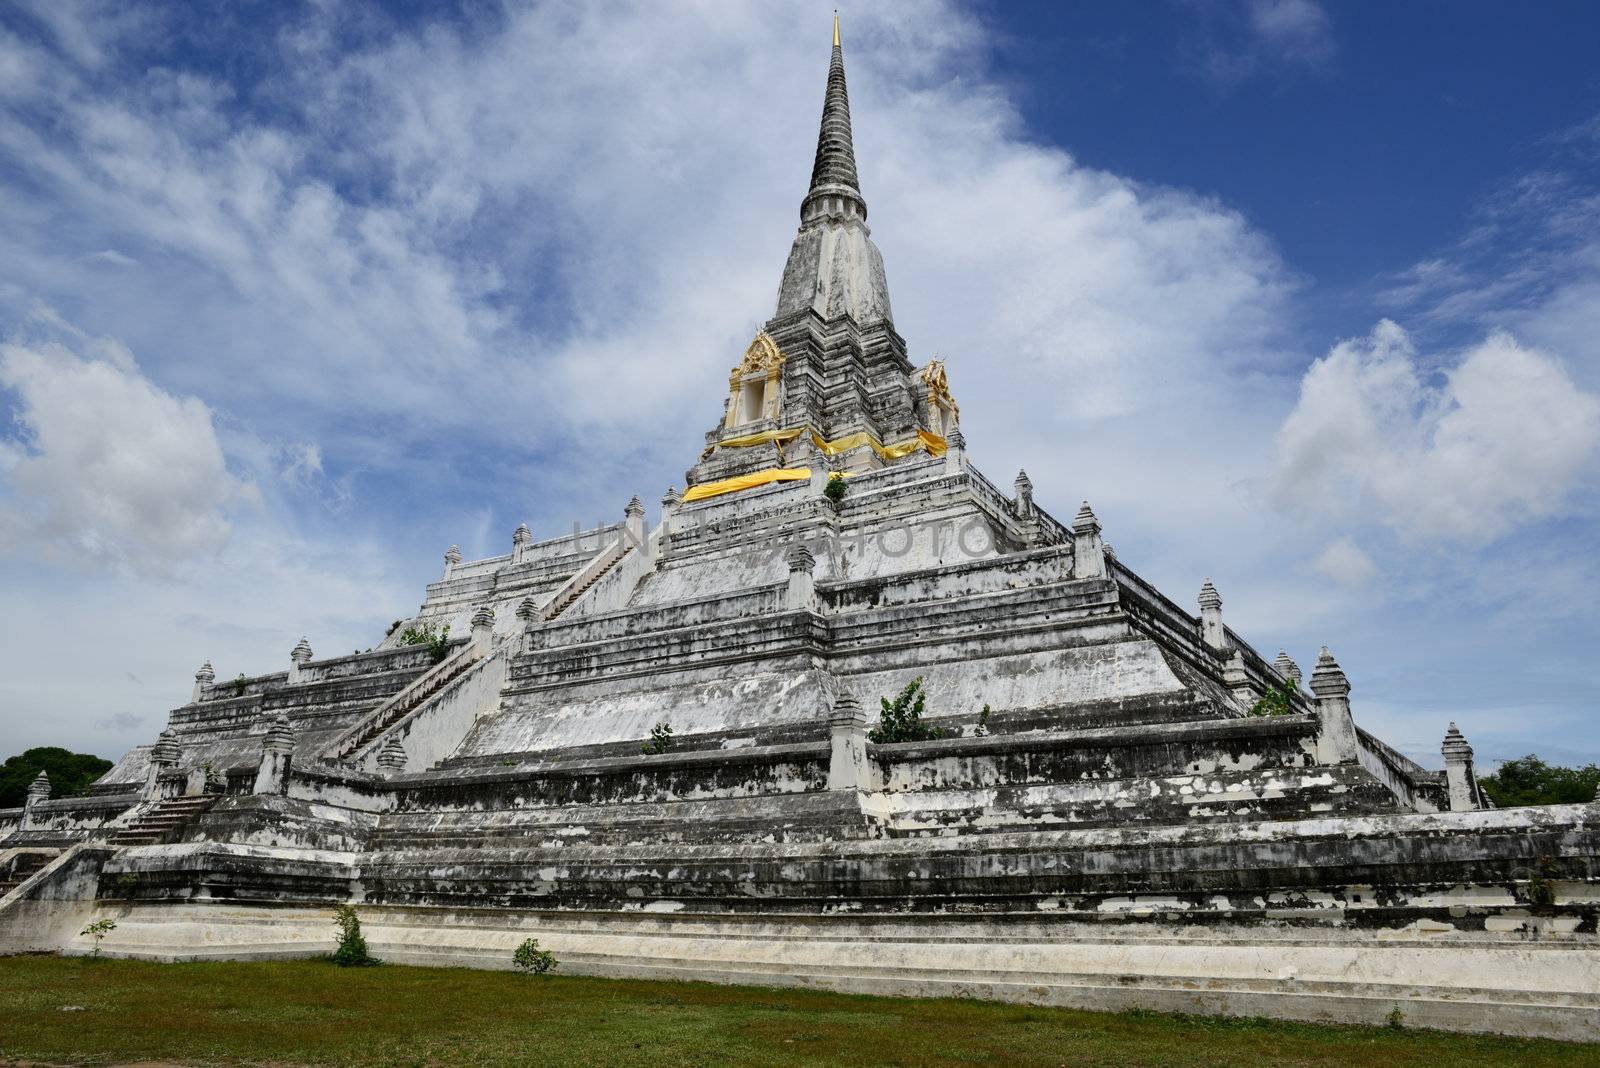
[(660, 740), (533, 960), (1542, 887), (437, 640), (835, 489), (1278, 701), (901, 720), (352, 950)]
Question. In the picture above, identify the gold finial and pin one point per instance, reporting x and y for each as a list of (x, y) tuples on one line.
[(836, 28)]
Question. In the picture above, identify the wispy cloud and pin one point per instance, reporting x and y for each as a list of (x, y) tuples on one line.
[(1234, 40)]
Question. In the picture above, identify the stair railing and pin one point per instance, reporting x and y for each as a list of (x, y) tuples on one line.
[(418, 690), (583, 578)]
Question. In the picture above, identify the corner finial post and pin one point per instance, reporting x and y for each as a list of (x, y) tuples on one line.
[(1337, 741), (1088, 553), (1211, 631), (1461, 782)]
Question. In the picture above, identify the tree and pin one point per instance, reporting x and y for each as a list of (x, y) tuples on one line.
[(1530, 781), (70, 773)]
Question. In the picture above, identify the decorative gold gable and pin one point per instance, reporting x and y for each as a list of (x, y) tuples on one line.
[(762, 363), (761, 357), (943, 412)]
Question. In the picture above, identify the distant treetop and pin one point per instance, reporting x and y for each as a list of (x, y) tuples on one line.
[(1530, 781), (70, 773)]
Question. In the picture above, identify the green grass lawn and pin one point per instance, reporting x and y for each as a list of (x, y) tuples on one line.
[(311, 1012)]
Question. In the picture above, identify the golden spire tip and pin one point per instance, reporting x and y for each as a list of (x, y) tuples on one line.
[(836, 29)]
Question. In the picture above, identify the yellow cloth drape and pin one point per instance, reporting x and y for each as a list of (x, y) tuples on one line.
[(781, 437), (743, 482), (924, 440), (933, 443)]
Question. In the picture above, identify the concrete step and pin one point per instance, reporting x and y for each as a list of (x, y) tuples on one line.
[(163, 822)]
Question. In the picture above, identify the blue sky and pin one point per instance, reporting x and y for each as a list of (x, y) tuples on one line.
[(1302, 297)]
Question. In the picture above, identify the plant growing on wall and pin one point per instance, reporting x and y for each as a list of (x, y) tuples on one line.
[(983, 723), (660, 740), (1278, 701), (214, 783), (238, 685), (351, 951), (533, 960), (835, 488), (97, 931), (437, 640), (1541, 888), (901, 719)]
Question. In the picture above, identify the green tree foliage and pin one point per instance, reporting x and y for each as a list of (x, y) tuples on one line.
[(70, 773), (901, 719), (1530, 781)]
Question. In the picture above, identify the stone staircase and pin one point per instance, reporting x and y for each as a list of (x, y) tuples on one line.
[(405, 702), (23, 866), (580, 583), (163, 822)]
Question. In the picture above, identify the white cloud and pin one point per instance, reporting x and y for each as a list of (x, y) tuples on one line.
[(1505, 437), (113, 470), (1346, 563)]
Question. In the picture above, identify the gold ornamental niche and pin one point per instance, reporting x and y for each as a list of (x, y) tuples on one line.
[(943, 413), (753, 386)]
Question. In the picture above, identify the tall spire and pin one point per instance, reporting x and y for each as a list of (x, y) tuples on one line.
[(834, 269), (834, 184)]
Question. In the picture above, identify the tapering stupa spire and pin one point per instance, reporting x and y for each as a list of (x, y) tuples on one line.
[(834, 173), (834, 269)]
